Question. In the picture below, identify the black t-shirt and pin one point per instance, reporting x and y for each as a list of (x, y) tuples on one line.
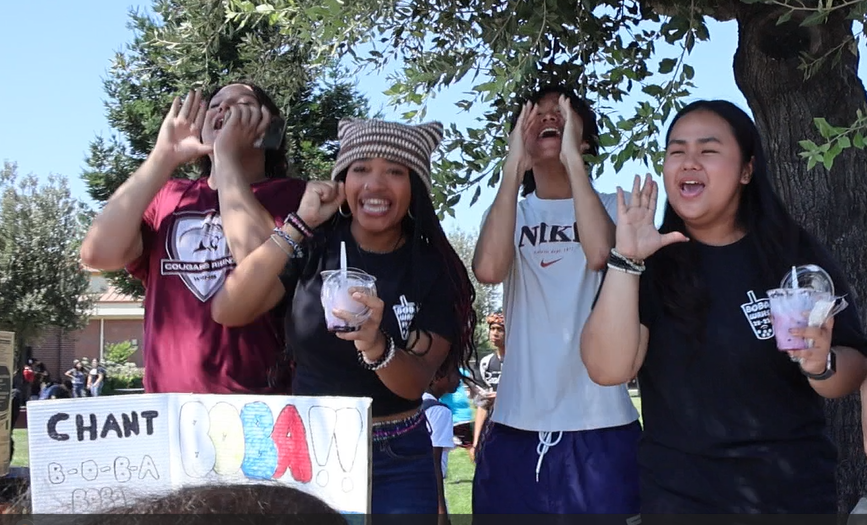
[(413, 290), (492, 368), (733, 426)]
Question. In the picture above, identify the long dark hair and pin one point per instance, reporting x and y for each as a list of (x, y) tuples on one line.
[(276, 165), (582, 109), (774, 234), (425, 233)]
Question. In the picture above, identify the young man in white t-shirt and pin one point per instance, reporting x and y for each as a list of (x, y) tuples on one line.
[(559, 443), (439, 426)]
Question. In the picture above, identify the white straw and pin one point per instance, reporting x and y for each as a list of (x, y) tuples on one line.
[(343, 260), (794, 277)]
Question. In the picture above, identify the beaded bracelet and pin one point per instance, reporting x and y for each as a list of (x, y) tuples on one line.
[(297, 250), (299, 225), (620, 262), (383, 359)]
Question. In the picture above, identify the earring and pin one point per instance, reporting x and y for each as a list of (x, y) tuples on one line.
[(409, 214), (344, 214)]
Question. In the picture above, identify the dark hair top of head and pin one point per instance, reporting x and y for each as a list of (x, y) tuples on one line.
[(581, 108), (282, 503), (276, 163)]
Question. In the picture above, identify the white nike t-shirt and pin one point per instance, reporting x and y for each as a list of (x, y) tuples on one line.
[(547, 298)]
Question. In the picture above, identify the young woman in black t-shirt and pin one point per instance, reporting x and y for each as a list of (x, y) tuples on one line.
[(732, 424), (422, 321)]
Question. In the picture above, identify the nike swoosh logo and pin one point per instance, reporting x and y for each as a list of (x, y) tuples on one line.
[(546, 264)]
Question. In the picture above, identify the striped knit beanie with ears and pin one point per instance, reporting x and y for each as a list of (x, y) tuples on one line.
[(405, 144)]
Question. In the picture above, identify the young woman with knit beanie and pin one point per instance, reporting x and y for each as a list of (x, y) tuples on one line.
[(422, 321)]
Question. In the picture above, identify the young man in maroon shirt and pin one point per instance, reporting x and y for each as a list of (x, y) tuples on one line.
[(182, 237)]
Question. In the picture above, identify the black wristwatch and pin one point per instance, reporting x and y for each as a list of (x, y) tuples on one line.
[(830, 368)]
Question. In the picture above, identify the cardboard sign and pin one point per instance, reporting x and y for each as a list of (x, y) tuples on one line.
[(89, 454), (7, 365)]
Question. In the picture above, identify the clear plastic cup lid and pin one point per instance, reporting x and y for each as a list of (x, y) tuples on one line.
[(810, 276)]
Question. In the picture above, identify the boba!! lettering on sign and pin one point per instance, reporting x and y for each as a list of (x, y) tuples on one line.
[(224, 441), (89, 455)]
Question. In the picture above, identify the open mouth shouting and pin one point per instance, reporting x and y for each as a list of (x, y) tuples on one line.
[(690, 188), (550, 132)]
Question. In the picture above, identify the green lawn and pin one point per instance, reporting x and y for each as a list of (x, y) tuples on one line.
[(459, 485), (21, 458)]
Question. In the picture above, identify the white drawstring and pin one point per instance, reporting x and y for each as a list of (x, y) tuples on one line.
[(542, 448)]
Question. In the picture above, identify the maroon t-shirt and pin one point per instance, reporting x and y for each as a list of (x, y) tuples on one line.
[(184, 262)]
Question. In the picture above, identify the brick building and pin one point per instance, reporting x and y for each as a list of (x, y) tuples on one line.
[(114, 318)]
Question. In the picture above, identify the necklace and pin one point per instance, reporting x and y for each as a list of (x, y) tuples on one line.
[(397, 245)]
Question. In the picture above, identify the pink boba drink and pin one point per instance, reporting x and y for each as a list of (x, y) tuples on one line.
[(337, 294), (790, 308)]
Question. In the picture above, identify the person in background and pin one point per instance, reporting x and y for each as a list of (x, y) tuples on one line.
[(460, 403), (79, 379), (96, 378), (57, 391), (439, 425), (36, 376), (490, 368)]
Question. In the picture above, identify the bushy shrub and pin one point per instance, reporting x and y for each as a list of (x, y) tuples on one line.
[(119, 352)]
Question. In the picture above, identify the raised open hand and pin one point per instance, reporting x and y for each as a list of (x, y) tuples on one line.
[(637, 237), (518, 138), (180, 136), (243, 128), (573, 144)]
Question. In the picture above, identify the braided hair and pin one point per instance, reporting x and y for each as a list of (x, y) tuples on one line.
[(425, 234)]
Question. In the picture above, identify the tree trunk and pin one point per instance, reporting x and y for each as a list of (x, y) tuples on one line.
[(831, 205)]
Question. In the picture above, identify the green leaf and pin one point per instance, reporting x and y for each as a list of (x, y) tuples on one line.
[(666, 65), (825, 129), (688, 71), (476, 195), (844, 142), (818, 17), (828, 162), (808, 145), (783, 18), (811, 162), (858, 141)]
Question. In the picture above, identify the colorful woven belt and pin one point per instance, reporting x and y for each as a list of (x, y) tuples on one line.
[(385, 430)]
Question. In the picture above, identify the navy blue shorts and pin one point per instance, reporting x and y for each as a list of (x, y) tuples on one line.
[(586, 472)]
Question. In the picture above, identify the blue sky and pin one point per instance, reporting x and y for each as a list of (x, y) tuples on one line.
[(54, 55)]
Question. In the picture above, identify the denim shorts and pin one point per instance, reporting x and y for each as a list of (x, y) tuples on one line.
[(404, 481)]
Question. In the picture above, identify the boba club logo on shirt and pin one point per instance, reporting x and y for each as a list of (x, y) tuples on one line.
[(404, 312), (758, 314), (198, 252)]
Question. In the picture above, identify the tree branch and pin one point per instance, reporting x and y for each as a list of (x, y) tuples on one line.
[(721, 10)]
